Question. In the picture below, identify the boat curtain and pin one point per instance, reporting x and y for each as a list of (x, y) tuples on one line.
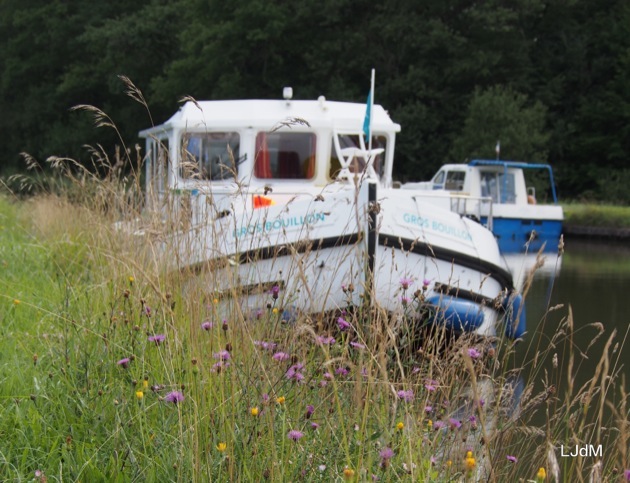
[(310, 167), (262, 165)]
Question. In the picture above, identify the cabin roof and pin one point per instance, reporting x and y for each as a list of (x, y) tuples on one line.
[(266, 114)]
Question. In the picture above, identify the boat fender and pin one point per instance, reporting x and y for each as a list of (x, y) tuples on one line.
[(455, 313), (515, 320)]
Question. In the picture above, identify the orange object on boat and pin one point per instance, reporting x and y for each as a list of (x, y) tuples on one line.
[(262, 201)]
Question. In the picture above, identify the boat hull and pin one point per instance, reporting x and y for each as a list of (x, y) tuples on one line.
[(522, 235)]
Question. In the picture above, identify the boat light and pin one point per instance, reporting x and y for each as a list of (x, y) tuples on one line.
[(287, 93)]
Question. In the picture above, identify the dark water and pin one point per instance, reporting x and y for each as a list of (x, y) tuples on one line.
[(590, 283)]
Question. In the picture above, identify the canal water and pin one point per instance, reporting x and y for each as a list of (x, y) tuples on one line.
[(590, 282)]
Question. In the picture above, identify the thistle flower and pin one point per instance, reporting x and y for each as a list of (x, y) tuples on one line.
[(425, 283), (512, 459), (280, 356), (473, 353), (314, 425), (357, 345), (157, 338), (343, 324), (275, 290), (342, 371), (310, 409), (294, 434), (294, 372), (269, 346), (626, 474), (406, 282), (323, 340), (207, 325), (174, 397), (124, 363), (386, 454), (455, 423), (222, 355), (406, 396)]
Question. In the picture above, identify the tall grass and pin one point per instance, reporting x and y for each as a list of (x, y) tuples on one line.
[(114, 368)]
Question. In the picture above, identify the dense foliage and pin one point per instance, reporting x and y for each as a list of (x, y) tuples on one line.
[(546, 77)]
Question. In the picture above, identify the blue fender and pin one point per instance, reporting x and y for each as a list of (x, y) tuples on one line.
[(515, 320), (455, 313)]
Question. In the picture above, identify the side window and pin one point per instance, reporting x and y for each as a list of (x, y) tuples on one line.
[(455, 180), (507, 187), (285, 155), (210, 156), (438, 181)]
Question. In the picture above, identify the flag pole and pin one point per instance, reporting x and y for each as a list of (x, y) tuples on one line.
[(370, 108)]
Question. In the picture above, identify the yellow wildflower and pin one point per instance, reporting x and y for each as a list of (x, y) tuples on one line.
[(254, 411), (469, 454), (400, 426), (16, 302), (215, 301), (470, 463), (275, 310), (541, 475), (139, 394), (221, 447), (280, 400), (145, 384), (131, 280), (348, 473), (430, 423), (449, 463)]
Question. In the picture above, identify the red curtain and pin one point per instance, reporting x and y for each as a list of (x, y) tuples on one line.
[(262, 166)]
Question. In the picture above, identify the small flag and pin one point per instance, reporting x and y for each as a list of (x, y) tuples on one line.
[(368, 114)]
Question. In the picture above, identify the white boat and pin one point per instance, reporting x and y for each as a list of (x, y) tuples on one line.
[(494, 192), (283, 202)]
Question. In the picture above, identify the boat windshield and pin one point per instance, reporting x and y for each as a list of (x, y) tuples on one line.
[(285, 155), (499, 186), (210, 155), (352, 149)]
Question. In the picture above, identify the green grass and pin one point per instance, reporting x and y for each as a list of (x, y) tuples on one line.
[(76, 299), (596, 215)]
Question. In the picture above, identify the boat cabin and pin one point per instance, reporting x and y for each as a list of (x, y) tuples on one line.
[(266, 145)]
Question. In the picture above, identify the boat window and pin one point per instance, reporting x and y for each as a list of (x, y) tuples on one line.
[(357, 164), (210, 155), (157, 171), (455, 180), (438, 180), (498, 186), (285, 155)]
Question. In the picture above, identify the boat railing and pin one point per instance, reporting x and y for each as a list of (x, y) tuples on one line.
[(477, 207)]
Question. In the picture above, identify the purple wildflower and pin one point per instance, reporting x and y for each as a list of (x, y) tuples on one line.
[(207, 325), (174, 397), (386, 454), (275, 290), (406, 396), (438, 425), (219, 366), (406, 282), (294, 434), (415, 370), (357, 345), (281, 356), (328, 375), (626, 473), (314, 426), (342, 371), (405, 300), (425, 283), (343, 324), (474, 353), (513, 459), (310, 409), (430, 385), (455, 423), (157, 338), (147, 311), (222, 355), (323, 340), (124, 363), (268, 346), (294, 372), (428, 409)]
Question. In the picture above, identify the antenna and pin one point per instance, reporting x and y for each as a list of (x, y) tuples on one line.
[(497, 149)]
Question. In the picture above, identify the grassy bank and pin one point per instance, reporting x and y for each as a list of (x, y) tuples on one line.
[(596, 215), (113, 370)]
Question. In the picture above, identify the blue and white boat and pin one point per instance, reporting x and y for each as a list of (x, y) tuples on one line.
[(495, 193)]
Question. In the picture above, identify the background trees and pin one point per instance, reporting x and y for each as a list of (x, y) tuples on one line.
[(546, 77)]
